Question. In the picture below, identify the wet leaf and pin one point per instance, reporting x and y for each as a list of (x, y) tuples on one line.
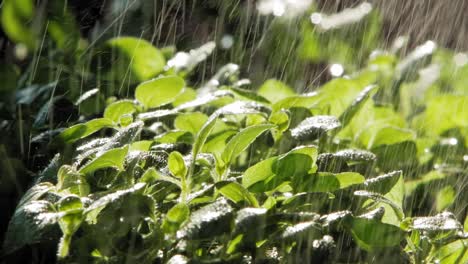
[(380, 198), (208, 221), (384, 183), (314, 127), (371, 234), (34, 220), (92, 212), (327, 182), (357, 104), (80, 131), (439, 223), (69, 180), (112, 158)]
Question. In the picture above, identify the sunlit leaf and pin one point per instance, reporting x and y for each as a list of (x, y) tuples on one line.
[(159, 91)]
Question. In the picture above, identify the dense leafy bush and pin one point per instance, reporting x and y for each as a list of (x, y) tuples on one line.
[(369, 167)]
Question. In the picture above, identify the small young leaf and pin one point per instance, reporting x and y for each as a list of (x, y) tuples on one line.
[(177, 165), (159, 91)]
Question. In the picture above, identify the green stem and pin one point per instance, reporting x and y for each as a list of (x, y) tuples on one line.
[(64, 246)]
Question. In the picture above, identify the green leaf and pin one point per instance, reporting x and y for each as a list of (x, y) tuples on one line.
[(111, 158), (328, 182), (69, 180), (187, 95), (243, 94), (117, 109), (177, 215), (445, 197), (80, 131), (241, 141), (159, 91), (175, 136), (455, 252), (357, 104), (280, 119), (397, 208), (191, 122), (15, 17), (309, 100), (338, 94), (133, 58), (151, 175), (272, 172), (275, 90), (201, 138), (371, 234), (141, 145), (259, 172), (388, 135), (236, 192), (177, 165), (442, 113)]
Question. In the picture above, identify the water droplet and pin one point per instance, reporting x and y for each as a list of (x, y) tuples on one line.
[(336, 70), (316, 18), (227, 41), (460, 59), (21, 51)]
